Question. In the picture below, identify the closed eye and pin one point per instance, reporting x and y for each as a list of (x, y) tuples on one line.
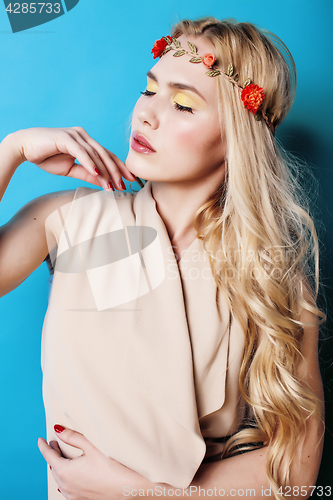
[(148, 92), (183, 108), (177, 106)]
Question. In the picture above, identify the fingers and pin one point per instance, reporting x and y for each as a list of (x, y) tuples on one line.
[(68, 145), (106, 178), (74, 438), (111, 167), (122, 167), (55, 446), (53, 457), (105, 155), (79, 172)]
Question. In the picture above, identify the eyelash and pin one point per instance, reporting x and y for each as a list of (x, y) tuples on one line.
[(147, 92), (177, 106), (183, 108)]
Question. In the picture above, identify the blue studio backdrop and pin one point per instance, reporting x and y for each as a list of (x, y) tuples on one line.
[(85, 67)]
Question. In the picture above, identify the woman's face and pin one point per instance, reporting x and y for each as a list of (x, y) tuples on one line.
[(179, 119)]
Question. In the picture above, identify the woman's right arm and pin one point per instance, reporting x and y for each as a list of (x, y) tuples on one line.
[(23, 243)]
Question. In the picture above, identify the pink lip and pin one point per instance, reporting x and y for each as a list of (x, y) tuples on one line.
[(140, 144)]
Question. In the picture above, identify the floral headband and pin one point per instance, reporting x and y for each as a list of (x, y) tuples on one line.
[(252, 96)]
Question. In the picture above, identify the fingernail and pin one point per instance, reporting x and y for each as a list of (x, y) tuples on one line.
[(110, 186), (50, 467), (121, 184), (59, 428), (59, 490), (97, 172)]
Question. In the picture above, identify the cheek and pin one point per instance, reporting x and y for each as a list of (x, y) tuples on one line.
[(199, 139), (184, 138)]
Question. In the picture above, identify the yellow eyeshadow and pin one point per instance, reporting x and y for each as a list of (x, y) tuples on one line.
[(188, 101), (152, 86), (182, 98)]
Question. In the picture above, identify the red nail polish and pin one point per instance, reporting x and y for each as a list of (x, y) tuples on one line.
[(121, 183), (110, 186), (97, 172), (50, 467), (59, 490), (59, 428)]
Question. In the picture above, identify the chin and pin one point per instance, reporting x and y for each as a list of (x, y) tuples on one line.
[(135, 166), (138, 172)]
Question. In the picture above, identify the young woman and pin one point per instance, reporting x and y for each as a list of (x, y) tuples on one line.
[(182, 327)]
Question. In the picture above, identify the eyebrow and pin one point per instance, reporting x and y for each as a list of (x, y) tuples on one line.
[(181, 86)]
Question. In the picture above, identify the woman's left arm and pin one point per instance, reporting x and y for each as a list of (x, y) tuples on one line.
[(93, 476)]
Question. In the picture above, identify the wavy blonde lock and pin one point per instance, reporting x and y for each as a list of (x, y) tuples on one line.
[(262, 243)]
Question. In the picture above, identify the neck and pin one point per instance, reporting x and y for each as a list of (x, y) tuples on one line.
[(177, 203)]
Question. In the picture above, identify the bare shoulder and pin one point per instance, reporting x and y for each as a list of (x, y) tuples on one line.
[(39, 208), (42, 206), (36, 212), (24, 242)]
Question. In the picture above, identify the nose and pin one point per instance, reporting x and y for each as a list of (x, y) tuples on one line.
[(148, 113)]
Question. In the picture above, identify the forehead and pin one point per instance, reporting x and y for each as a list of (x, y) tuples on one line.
[(170, 69)]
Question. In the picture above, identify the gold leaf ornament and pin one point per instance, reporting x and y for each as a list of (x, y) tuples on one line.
[(247, 82), (166, 40), (179, 53), (258, 116), (230, 71), (192, 47), (213, 72), (175, 41), (195, 60), (166, 50)]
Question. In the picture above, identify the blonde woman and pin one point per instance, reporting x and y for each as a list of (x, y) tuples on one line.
[(180, 343)]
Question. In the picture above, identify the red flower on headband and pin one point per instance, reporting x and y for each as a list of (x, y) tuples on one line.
[(208, 60), (159, 46), (252, 97)]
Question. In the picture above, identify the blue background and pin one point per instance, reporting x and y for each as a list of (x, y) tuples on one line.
[(86, 68)]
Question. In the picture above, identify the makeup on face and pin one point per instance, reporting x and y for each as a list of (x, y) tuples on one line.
[(176, 124), (184, 95), (140, 144)]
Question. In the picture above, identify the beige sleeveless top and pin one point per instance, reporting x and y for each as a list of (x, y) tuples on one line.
[(134, 354)]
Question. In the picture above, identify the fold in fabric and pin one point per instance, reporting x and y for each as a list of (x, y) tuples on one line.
[(134, 353)]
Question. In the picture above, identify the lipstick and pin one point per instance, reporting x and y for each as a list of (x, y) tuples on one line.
[(140, 144)]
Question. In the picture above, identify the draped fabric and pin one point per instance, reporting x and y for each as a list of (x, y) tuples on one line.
[(134, 353)]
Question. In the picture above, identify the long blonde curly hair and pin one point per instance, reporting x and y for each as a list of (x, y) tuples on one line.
[(262, 243)]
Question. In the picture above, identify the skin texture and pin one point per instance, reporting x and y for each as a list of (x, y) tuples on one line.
[(188, 166), (188, 146), (189, 163), (23, 245)]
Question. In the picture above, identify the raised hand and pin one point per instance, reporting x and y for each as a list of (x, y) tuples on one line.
[(56, 149)]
